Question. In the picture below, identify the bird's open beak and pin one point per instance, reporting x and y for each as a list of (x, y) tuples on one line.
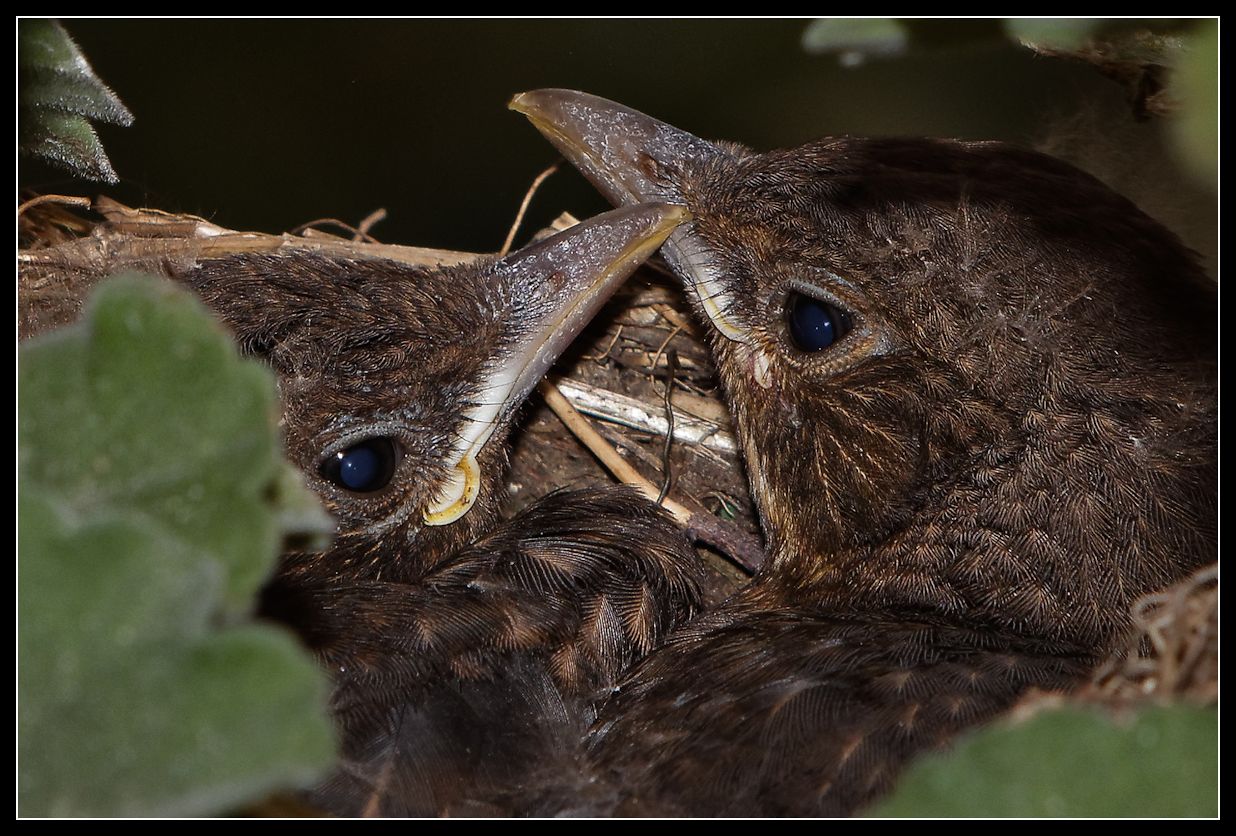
[(633, 158), (558, 285)]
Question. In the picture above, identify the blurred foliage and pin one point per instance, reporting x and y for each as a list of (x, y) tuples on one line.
[(888, 36), (1077, 34), (1072, 762), (854, 40), (1136, 53), (148, 464), (1196, 85), (1053, 32), (58, 95)]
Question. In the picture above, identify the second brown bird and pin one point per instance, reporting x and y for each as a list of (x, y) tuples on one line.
[(976, 390)]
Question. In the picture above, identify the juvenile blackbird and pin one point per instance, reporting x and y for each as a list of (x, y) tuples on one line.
[(465, 651), (976, 391)]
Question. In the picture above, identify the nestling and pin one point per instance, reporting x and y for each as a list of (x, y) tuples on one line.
[(976, 391), (466, 651)]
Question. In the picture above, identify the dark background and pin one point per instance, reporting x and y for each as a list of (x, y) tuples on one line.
[(267, 124)]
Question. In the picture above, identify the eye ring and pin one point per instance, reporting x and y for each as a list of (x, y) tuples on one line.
[(365, 467), (813, 324)]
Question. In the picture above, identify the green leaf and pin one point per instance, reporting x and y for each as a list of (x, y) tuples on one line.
[(856, 39), (148, 465), (59, 94), (68, 141), (1196, 85), (1073, 762)]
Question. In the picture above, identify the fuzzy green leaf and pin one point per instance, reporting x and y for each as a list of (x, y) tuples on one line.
[(58, 96), (1072, 763), (148, 462)]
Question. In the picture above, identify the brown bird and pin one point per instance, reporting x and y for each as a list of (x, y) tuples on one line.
[(976, 391), (465, 651)]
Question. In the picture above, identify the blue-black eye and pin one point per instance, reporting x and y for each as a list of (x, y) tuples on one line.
[(363, 468), (815, 325)]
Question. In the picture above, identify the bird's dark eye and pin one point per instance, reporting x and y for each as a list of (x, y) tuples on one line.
[(363, 468), (815, 325)]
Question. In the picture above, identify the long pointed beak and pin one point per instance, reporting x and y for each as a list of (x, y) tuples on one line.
[(628, 155), (558, 285), (633, 158)]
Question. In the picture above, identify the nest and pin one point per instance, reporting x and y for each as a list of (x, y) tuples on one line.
[(1174, 651)]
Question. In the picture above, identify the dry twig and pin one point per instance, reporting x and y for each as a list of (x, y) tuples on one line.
[(523, 207), (63, 200), (701, 526)]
